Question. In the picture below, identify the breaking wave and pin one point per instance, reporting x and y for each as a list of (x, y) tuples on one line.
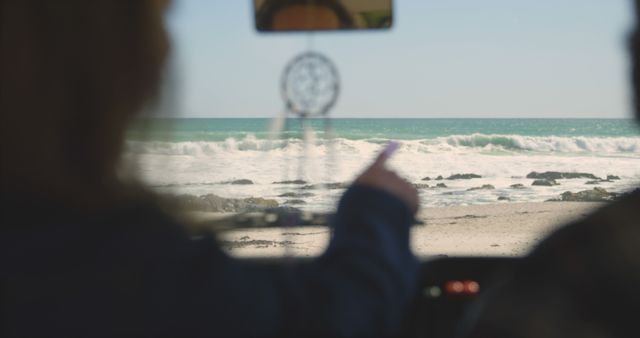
[(554, 144), (454, 143)]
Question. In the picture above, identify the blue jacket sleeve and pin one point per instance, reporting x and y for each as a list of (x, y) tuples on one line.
[(368, 265), (360, 287)]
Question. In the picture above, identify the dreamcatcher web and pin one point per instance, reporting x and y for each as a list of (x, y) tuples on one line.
[(310, 85)]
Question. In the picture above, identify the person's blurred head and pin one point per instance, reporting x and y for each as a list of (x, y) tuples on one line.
[(74, 72), (287, 15)]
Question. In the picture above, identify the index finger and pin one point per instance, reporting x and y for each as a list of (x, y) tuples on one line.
[(386, 153)]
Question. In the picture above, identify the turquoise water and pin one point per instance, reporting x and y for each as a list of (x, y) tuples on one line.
[(197, 156), (184, 130)]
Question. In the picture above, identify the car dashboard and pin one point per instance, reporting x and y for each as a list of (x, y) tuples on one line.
[(447, 287)]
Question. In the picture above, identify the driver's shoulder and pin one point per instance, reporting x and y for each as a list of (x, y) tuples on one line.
[(607, 223), (606, 239)]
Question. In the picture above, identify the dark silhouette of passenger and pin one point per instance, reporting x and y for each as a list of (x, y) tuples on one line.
[(85, 253), (582, 281)]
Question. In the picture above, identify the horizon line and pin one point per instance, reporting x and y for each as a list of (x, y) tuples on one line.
[(394, 118)]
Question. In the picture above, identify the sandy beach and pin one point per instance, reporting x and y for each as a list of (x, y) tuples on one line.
[(506, 229)]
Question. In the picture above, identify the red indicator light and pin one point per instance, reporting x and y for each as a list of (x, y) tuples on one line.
[(471, 287), (462, 288), (454, 287)]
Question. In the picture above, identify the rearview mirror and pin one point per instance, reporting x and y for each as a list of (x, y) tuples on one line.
[(322, 15)]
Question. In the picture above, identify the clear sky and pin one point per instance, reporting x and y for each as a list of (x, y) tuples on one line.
[(442, 58)]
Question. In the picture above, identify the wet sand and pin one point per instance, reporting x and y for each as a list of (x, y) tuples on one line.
[(506, 229)]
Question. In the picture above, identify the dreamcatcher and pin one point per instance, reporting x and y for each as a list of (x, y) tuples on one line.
[(310, 87)]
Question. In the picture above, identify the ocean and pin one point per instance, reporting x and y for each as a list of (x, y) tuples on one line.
[(201, 156)]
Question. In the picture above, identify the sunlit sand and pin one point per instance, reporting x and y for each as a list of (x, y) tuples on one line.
[(509, 229)]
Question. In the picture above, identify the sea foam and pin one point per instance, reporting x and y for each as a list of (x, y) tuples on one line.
[(547, 143), (454, 143)]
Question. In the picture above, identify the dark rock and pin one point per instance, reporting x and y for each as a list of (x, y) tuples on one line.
[(295, 202), (283, 210), (441, 185), (612, 178), (427, 178), (291, 182), (484, 187), (555, 175), (504, 198), (239, 182), (595, 182), (595, 195), (420, 186), (242, 182), (296, 194), (545, 182), (439, 178), (256, 243), (463, 176), (332, 186), (470, 217), (329, 186), (189, 202), (255, 204), (214, 203), (517, 186)]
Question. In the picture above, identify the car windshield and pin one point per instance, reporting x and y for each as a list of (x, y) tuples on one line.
[(513, 118)]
